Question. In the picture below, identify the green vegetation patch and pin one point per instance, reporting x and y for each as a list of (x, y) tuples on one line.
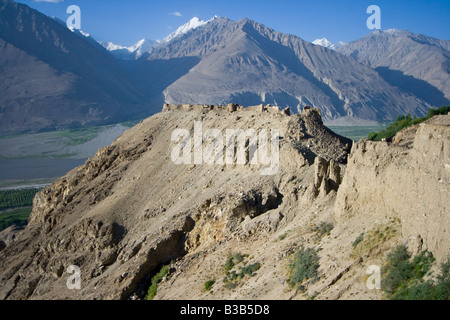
[(357, 132), (79, 136), (209, 284), (157, 278), (358, 240), (17, 198), (404, 122), (16, 206), (237, 267), (324, 228), (405, 277), (283, 236), (369, 242), (18, 217), (304, 266)]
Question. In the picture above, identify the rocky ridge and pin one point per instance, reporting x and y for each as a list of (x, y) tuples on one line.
[(129, 210)]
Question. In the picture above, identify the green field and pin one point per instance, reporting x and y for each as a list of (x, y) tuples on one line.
[(18, 217), (16, 206), (356, 133)]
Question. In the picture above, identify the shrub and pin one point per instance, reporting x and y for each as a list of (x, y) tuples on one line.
[(367, 243), (324, 228), (398, 270), (229, 264), (152, 290), (359, 239), (238, 258), (442, 289), (282, 236), (404, 278), (251, 269), (304, 266), (230, 285), (209, 284), (232, 277)]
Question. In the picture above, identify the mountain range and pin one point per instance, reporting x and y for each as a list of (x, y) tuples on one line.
[(53, 77), (248, 63), (413, 62), (135, 51)]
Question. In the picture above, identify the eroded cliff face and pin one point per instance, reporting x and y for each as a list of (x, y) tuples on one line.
[(408, 179), (131, 209)]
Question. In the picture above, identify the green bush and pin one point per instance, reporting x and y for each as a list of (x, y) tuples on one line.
[(251, 269), (442, 288), (433, 290), (304, 266), (230, 285), (404, 122), (229, 264), (358, 240), (152, 290), (209, 284), (238, 258), (439, 111), (397, 270), (232, 277), (404, 278)]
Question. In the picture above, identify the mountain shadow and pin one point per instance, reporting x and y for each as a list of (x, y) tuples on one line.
[(154, 76), (417, 87)]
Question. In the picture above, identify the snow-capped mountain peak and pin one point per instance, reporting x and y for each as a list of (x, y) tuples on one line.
[(194, 23), (142, 46), (131, 52), (324, 42), (110, 46), (139, 48)]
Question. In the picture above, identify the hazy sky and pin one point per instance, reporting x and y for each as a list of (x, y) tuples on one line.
[(127, 21)]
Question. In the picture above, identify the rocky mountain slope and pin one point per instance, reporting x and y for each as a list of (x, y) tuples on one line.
[(247, 63), (52, 77), (413, 62), (130, 210)]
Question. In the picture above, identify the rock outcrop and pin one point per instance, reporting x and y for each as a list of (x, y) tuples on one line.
[(408, 181), (130, 209)]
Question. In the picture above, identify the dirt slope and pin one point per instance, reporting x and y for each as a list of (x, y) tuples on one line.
[(130, 209)]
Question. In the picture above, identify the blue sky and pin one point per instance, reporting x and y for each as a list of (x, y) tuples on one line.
[(126, 22)]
